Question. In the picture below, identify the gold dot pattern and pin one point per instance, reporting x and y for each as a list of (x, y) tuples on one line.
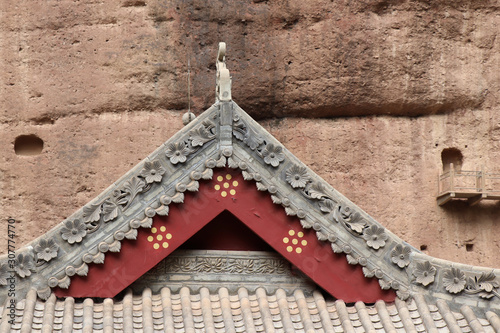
[(159, 236), (227, 187), (296, 242)]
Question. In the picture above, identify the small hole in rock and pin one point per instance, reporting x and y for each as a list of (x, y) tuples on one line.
[(469, 247), (423, 247), (28, 145)]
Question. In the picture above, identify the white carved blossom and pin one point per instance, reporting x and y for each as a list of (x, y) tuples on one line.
[(454, 280), (375, 237), (297, 176), (24, 265), (400, 255), (273, 155), (73, 231), (425, 273), (152, 172), (177, 152), (46, 249)]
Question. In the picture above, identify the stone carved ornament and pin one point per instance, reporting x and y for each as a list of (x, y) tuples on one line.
[(227, 266)]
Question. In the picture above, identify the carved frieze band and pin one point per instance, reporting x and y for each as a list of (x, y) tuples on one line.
[(227, 265)]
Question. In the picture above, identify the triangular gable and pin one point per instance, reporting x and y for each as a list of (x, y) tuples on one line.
[(225, 136), (228, 191)]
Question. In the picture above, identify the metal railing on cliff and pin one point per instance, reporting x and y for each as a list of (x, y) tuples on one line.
[(471, 185)]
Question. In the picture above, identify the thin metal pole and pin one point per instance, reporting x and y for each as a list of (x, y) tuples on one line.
[(189, 85)]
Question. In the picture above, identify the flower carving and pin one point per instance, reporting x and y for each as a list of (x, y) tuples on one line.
[(375, 237), (485, 285), (273, 154), (24, 265), (73, 231), (180, 265), (297, 176), (328, 206), (350, 218), (346, 212), (425, 273), (241, 266), (215, 265), (202, 134), (92, 213), (110, 209), (454, 280), (153, 172), (4, 274), (400, 255), (177, 152), (46, 249)]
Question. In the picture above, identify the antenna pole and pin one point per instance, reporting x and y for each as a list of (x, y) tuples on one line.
[(189, 85), (188, 116)]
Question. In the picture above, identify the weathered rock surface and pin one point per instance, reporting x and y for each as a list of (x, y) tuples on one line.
[(104, 83), (308, 59)]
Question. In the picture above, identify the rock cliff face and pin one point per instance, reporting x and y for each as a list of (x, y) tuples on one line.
[(367, 93)]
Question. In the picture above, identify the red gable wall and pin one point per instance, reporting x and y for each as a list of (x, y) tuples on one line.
[(228, 191)]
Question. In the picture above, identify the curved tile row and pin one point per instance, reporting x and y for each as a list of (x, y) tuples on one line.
[(238, 312)]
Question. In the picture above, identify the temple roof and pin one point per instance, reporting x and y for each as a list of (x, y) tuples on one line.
[(226, 137), (244, 311)]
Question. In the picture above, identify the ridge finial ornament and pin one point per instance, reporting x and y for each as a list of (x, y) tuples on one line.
[(223, 79)]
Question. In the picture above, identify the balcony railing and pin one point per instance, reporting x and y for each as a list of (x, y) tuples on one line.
[(471, 185)]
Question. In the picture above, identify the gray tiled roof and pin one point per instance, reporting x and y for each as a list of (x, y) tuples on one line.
[(203, 311)]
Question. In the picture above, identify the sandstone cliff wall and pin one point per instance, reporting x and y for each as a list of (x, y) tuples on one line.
[(367, 93)]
